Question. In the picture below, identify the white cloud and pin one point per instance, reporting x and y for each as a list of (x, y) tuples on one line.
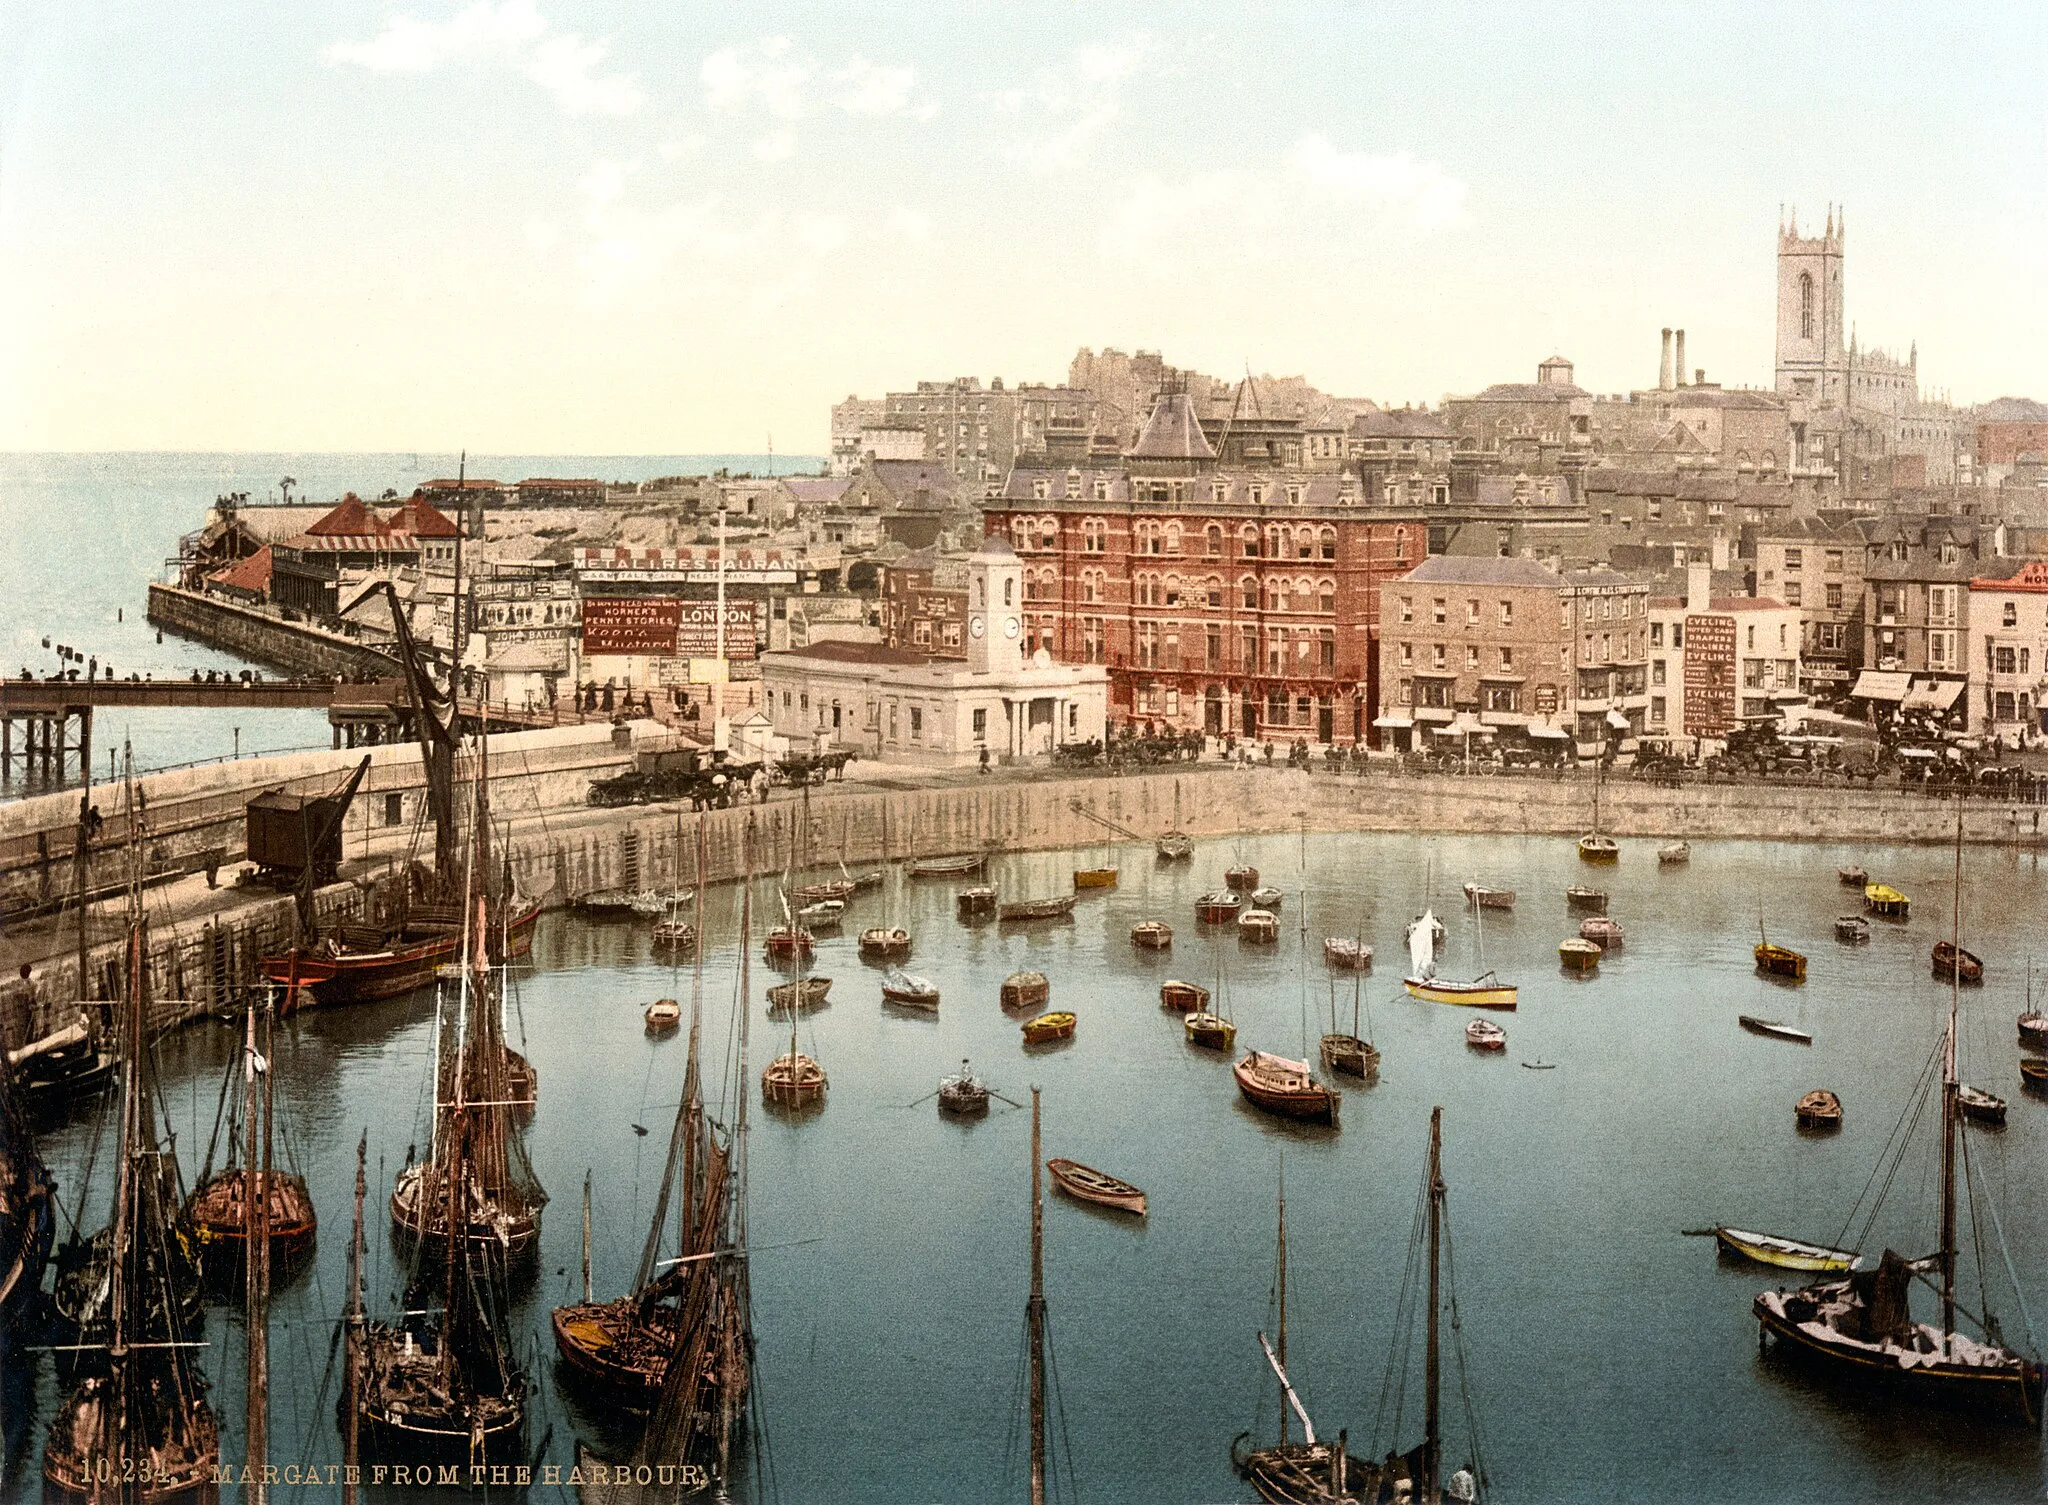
[(737, 76), (870, 89), (1086, 98), (1329, 191), (512, 33)]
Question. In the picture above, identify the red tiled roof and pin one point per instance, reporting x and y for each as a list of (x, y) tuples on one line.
[(422, 519), (250, 574), (352, 517)]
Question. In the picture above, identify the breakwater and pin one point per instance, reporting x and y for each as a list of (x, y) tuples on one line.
[(299, 647)]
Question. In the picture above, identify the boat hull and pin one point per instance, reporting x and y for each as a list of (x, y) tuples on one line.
[(1782, 1254), (363, 977), (2012, 1393), (1094, 877), (1210, 1032), (1102, 1191), (1047, 1028), (1310, 1102), (611, 1352), (1350, 1055), (1471, 995)]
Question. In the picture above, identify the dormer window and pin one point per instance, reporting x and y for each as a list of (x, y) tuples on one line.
[(1040, 490)]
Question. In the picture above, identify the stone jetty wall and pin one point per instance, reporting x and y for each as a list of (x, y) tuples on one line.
[(298, 647)]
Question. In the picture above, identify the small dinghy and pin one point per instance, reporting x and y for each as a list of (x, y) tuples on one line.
[(1025, 990), (1578, 955), (1984, 1107), (1087, 1184), (1046, 1028), (1970, 969), (975, 903), (1175, 846), (1182, 997), (1593, 900), (793, 1081), (1852, 877), (1258, 927), (1782, 1253), (1674, 853), (1884, 900), (949, 867), (1773, 1029), (1539, 1066), (1490, 898), (1350, 1055), (803, 995), (1819, 1109), (1780, 961), (1347, 954), (1241, 879), (963, 1096), (2034, 1075), (1210, 1031), (822, 914), (675, 935), (1602, 932), (808, 894), (910, 991), (1267, 898), (884, 943), (1598, 848), (1095, 877), (1219, 907), (1024, 910), (1484, 1034), (787, 944), (2034, 1030), (1851, 929), (1152, 935), (663, 1015)]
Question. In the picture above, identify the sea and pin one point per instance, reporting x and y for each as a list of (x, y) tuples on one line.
[(83, 535), (1596, 1350)]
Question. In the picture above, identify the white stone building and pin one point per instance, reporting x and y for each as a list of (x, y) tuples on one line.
[(1717, 662), (2007, 656)]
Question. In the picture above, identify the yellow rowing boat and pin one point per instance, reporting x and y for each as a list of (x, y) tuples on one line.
[(1785, 1253), (1487, 992)]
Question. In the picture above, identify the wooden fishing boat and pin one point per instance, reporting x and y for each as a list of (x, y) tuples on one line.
[(1182, 997), (1094, 877), (975, 903), (831, 890), (355, 965), (1350, 1055), (1852, 877), (219, 1221), (1484, 1034), (1773, 1029), (1577, 955), (1086, 1184), (1346, 953), (1578, 896), (1818, 1109), (1979, 1105), (1210, 1031), (1046, 1028), (965, 1095), (1036, 909), (1884, 900), (862, 882), (1601, 931), (910, 990), (1175, 846), (793, 1080), (1284, 1088), (822, 914), (884, 943), (2034, 1074), (616, 903), (1945, 955), (675, 935), (2033, 1029), (1674, 854), (949, 867), (28, 1213), (1483, 992), (1852, 929), (1025, 990), (1780, 961), (788, 945), (1598, 849), (66, 1064), (1243, 878), (1782, 1253), (1258, 927), (663, 1015), (1152, 935), (1219, 907), (1268, 898), (801, 995), (1490, 898)]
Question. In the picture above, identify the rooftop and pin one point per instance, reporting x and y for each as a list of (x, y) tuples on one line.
[(1448, 569)]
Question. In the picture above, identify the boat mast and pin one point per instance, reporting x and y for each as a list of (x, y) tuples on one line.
[(1282, 1263), (1948, 1108), (1432, 1425), (351, 1433), (256, 1270), (1034, 1317), (586, 1236)]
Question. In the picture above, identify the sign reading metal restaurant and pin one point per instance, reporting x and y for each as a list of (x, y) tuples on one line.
[(686, 566), (1709, 675)]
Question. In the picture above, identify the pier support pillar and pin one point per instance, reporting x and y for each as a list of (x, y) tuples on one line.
[(6, 746)]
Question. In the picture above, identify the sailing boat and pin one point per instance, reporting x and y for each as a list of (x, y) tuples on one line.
[(1175, 845), (1486, 991), (1350, 1054), (1309, 1472), (1034, 1316), (1861, 1328), (791, 1080), (1102, 876), (142, 1396), (222, 1205), (1210, 1028), (28, 1210), (1593, 847)]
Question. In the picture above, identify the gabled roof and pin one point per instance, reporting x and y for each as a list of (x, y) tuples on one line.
[(351, 518), (1399, 423), (1527, 391), (250, 574), (1172, 432), (816, 488), (422, 519), (1450, 569)]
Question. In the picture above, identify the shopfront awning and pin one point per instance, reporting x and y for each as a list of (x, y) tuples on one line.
[(1618, 721), (1393, 723), (1550, 731), (1932, 695), (1878, 684)]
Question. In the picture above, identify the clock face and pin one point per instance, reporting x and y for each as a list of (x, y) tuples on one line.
[(977, 627), (1010, 627)]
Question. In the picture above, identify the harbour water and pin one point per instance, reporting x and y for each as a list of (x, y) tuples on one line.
[(82, 535), (1612, 1357)]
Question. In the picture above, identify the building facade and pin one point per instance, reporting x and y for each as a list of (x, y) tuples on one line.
[(1717, 663), (2008, 654), (924, 603)]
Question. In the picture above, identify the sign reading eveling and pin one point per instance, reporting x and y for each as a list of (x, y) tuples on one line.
[(1709, 676)]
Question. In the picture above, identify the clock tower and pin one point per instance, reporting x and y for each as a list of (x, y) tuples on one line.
[(995, 609)]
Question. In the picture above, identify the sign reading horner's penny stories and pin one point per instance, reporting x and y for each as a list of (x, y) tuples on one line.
[(623, 626)]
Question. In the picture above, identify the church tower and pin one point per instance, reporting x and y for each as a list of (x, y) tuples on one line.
[(995, 614), (1813, 360)]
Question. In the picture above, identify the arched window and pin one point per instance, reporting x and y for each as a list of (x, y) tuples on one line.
[(1049, 532), (1020, 533), (1276, 595), (1305, 544), (1329, 543), (1212, 541), (1304, 594), (1213, 590), (1327, 591), (1091, 535), (1250, 537), (1805, 306), (1009, 593), (1248, 593), (1173, 538), (1276, 543), (1400, 544)]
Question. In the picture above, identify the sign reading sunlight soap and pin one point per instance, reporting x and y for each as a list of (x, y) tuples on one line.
[(616, 627)]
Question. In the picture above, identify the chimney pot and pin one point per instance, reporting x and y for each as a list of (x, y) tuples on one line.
[(1699, 376)]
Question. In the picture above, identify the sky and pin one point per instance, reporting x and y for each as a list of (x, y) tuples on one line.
[(529, 226)]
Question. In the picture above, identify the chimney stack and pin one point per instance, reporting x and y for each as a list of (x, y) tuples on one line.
[(1678, 364), (1664, 366), (1699, 376), (1699, 587)]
